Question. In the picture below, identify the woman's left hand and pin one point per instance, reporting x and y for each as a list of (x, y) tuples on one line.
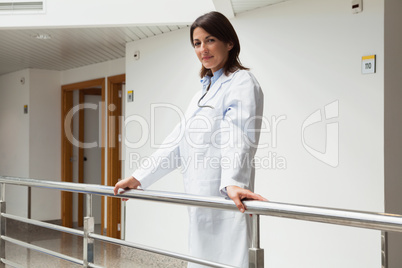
[(237, 194)]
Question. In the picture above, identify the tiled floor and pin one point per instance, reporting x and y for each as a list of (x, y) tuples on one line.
[(106, 255)]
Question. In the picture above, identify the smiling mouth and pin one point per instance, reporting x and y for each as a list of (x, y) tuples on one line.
[(206, 58)]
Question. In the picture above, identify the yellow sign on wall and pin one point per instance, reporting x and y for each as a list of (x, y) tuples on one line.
[(368, 64)]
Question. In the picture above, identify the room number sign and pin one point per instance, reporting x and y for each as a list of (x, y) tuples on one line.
[(368, 64)]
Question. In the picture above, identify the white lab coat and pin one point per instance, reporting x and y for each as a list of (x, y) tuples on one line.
[(215, 147)]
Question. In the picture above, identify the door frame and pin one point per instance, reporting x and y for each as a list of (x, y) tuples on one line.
[(114, 150), (67, 147)]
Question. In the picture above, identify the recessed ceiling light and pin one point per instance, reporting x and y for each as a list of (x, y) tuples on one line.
[(42, 36)]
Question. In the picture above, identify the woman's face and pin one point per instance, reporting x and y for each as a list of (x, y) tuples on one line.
[(212, 52)]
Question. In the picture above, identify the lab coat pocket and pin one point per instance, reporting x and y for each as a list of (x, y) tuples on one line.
[(202, 215), (208, 187)]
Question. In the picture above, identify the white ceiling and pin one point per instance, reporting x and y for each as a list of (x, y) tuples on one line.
[(74, 47), (240, 6), (68, 48)]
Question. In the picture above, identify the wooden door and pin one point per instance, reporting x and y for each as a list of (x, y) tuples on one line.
[(67, 146), (115, 143)]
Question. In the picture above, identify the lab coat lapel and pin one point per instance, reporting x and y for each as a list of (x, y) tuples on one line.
[(216, 87)]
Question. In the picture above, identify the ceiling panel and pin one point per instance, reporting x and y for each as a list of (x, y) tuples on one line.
[(76, 47), (69, 48)]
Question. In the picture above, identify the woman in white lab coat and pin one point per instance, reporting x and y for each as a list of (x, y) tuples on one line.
[(217, 140)]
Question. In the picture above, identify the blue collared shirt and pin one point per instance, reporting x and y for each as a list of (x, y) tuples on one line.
[(208, 79), (216, 76)]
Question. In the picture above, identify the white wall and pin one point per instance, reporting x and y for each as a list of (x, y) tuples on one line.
[(44, 141), (30, 143), (305, 54), (94, 71), (107, 13), (14, 141), (167, 72)]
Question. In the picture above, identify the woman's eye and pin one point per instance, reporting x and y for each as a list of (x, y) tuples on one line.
[(196, 44), (210, 40)]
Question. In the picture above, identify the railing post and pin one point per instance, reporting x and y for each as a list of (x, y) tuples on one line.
[(384, 249), (2, 223), (89, 226), (255, 253)]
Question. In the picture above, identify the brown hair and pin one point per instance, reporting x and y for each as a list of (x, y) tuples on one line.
[(220, 27)]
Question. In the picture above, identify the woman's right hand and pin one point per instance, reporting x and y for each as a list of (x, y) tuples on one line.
[(127, 183)]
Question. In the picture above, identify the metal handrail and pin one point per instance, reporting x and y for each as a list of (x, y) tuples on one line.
[(43, 250), (44, 224), (354, 218), (369, 220), (10, 263), (157, 251), (87, 233)]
